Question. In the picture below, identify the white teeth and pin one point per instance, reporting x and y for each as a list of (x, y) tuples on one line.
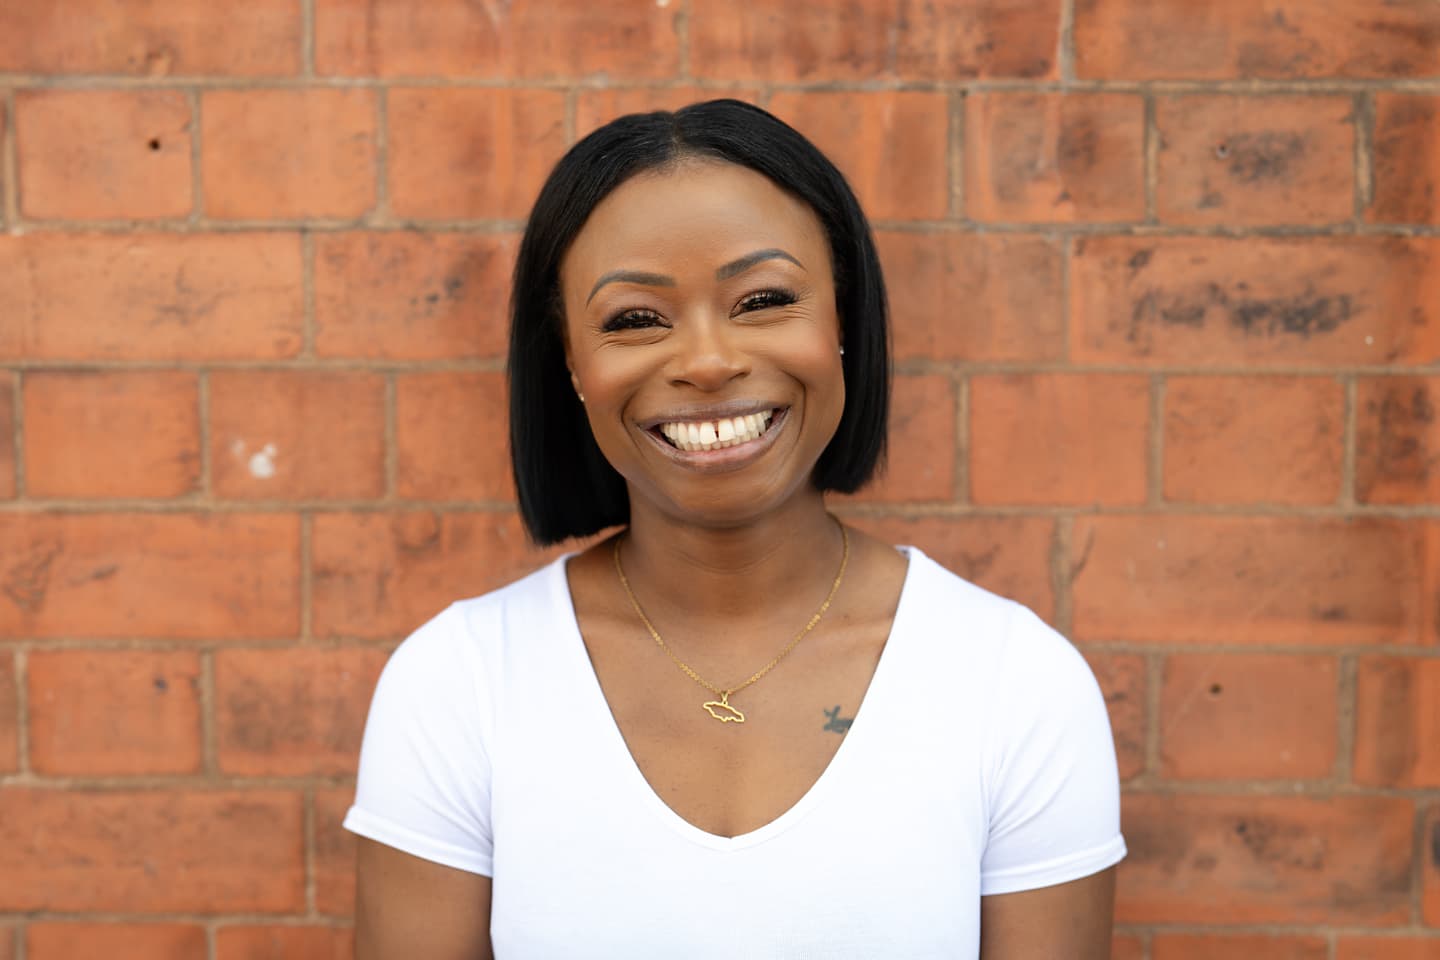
[(717, 434)]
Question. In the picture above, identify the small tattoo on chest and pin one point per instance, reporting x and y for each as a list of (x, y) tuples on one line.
[(836, 722)]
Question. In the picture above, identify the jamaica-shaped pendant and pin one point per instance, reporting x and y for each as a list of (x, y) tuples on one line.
[(722, 711)]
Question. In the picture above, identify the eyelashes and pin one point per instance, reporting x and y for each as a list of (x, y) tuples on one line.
[(642, 319)]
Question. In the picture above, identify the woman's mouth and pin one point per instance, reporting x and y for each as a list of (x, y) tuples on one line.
[(703, 435)]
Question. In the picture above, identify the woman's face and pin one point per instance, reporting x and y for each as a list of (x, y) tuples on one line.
[(701, 328)]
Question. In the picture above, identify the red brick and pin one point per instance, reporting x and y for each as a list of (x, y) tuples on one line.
[(9, 721), (452, 437), (1122, 678), (920, 461), (103, 154), (467, 153), (1230, 160), (1222, 946), (891, 145), (1397, 443), (7, 435), (1125, 947), (1180, 39), (150, 297), (111, 434), (1059, 439), (172, 851), (115, 941), (1245, 580), (1430, 872), (1253, 440), (334, 864), (523, 39), (151, 38), (288, 153), (284, 943), (1248, 717), (1397, 722), (596, 107), (974, 297), (98, 712), (1406, 162), (1007, 555), (1053, 157), (1253, 301), (1244, 859), (412, 296), (814, 40), (293, 712), (297, 435), (1387, 948), (149, 575), (383, 575)]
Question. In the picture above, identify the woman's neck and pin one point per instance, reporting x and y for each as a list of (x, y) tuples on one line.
[(719, 574)]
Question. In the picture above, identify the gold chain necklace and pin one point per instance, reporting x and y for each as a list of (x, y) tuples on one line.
[(722, 709)]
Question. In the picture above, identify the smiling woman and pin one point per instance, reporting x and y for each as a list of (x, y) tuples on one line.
[(733, 726)]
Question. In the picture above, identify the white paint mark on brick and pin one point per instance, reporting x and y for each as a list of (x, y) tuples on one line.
[(262, 464)]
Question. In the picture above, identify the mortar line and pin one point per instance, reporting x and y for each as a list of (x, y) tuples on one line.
[(382, 154), (1331, 939), (309, 834), (1345, 706), (307, 581), (956, 145), (1347, 456), (960, 487), (392, 453), (17, 940), (568, 114), (202, 401), (1364, 128), (307, 295), (10, 165), (1060, 577), (22, 709), (682, 40), (197, 168), (17, 431), (210, 945), (1152, 155), (1420, 862), (1065, 54), (1155, 462), (210, 761), (307, 38), (1067, 253), (1154, 679)]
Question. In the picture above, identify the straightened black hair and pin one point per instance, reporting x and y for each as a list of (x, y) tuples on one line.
[(565, 485)]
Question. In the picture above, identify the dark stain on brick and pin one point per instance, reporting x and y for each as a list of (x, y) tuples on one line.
[(1077, 146), (1303, 315), (27, 580), (1282, 845), (1331, 614), (99, 573), (1402, 421), (1255, 157), (160, 684), (1140, 259), (973, 566), (1435, 843)]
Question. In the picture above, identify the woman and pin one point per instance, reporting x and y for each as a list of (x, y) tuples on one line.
[(735, 728)]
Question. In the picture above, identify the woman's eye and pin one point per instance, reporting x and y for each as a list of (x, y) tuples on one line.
[(631, 320), (767, 298)]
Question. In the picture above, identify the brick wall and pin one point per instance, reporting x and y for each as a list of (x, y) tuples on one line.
[(1166, 278)]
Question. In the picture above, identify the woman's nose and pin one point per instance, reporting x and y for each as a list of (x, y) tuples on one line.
[(707, 355)]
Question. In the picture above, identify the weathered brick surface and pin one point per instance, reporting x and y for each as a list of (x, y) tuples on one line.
[(1038, 158), (130, 941), (1255, 160), (156, 297), (103, 155), (1266, 859), (108, 712), (111, 434), (1177, 39), (1326, 302), (151, 851), (1165, 303), (293, 712)]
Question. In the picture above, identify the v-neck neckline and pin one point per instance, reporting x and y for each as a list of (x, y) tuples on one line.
[(869, 716)]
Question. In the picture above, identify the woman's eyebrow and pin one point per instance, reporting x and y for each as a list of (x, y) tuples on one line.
[(739, 266), (630, 276)]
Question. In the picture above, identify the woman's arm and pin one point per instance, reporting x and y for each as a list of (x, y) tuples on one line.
[(1068, 921), (406, 907)]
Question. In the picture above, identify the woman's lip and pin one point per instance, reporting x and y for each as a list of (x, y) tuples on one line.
[(724, 459), (720, 411)]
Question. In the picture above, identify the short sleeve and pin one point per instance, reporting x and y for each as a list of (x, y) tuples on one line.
[(424, 780), (1051, 778)]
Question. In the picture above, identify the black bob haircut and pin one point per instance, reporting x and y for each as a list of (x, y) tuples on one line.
[(566, 486)]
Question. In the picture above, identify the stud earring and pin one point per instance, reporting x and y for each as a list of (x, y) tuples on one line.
[(842, 351)]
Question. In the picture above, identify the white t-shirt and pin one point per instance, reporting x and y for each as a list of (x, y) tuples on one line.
[(980, 762)]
